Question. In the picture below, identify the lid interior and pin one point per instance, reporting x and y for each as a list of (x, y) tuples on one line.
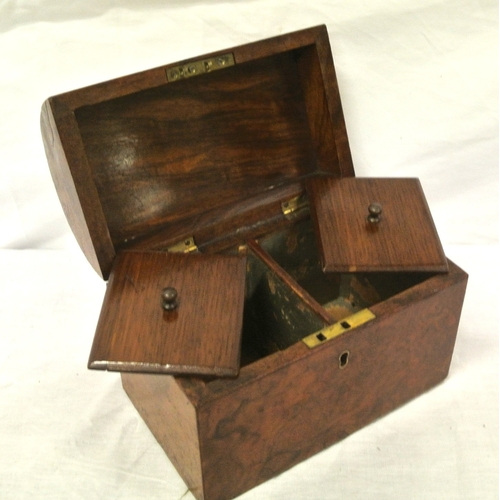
[(167, 153), (144, 156)]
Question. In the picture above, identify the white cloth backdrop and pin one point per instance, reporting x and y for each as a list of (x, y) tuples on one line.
[(419, 87)]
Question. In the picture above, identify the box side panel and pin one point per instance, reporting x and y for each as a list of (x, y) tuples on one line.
[(324, 107), (278, 420), (75, 189), (172, 419)]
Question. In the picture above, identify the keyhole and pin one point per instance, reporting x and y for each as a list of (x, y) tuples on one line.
[(343, 359)]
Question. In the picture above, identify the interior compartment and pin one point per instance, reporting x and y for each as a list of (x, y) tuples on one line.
[(276, 315)]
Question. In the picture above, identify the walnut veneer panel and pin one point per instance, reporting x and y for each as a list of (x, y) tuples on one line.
[(201, 336), (275, 421)]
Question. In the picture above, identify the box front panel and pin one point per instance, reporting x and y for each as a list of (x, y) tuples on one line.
[(273, 422)]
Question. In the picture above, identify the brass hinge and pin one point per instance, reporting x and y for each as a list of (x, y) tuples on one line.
[(289, 207), (332, 331), (187, 245), (200, 67)]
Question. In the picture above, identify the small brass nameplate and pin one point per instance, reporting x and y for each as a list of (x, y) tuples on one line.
[(200, 67), (332, 331)]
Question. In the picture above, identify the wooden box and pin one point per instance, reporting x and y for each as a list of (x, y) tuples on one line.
[(307, 302)]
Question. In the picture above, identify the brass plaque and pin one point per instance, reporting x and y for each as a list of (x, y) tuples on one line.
[(200, 67)]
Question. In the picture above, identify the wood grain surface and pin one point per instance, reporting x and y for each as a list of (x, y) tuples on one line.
[(405, 239), (136, 156), (201, 336), (302, 294), (292, 404), (277, 421), (172, 418), (74, 185), (220, 137)]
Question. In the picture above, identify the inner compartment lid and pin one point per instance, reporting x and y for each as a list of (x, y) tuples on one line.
[(148, 153), (200, 335), (353, 237)]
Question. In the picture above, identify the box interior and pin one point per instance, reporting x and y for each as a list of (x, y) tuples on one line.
[(276, 316)]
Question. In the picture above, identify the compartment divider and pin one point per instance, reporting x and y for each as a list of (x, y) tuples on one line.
[(315, 306)]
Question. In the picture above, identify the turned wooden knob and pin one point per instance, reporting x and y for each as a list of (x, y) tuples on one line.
[(374, 212), (169, 298)]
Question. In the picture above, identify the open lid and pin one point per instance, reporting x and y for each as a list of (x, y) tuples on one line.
[(368, 225), (196, 330), (224, 127)]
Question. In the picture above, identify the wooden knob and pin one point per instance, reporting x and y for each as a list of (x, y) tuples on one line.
[(169, 298), (374, 212)]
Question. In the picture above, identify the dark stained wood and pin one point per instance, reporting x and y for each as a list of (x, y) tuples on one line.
[(405, 239), (201, 336), (294, 248), (277, 313), (334, 104), (172, 152), (156, 77), (201, 392), (222, 228), (321, 93), (292, 404), (324, 108), (135, 146)]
